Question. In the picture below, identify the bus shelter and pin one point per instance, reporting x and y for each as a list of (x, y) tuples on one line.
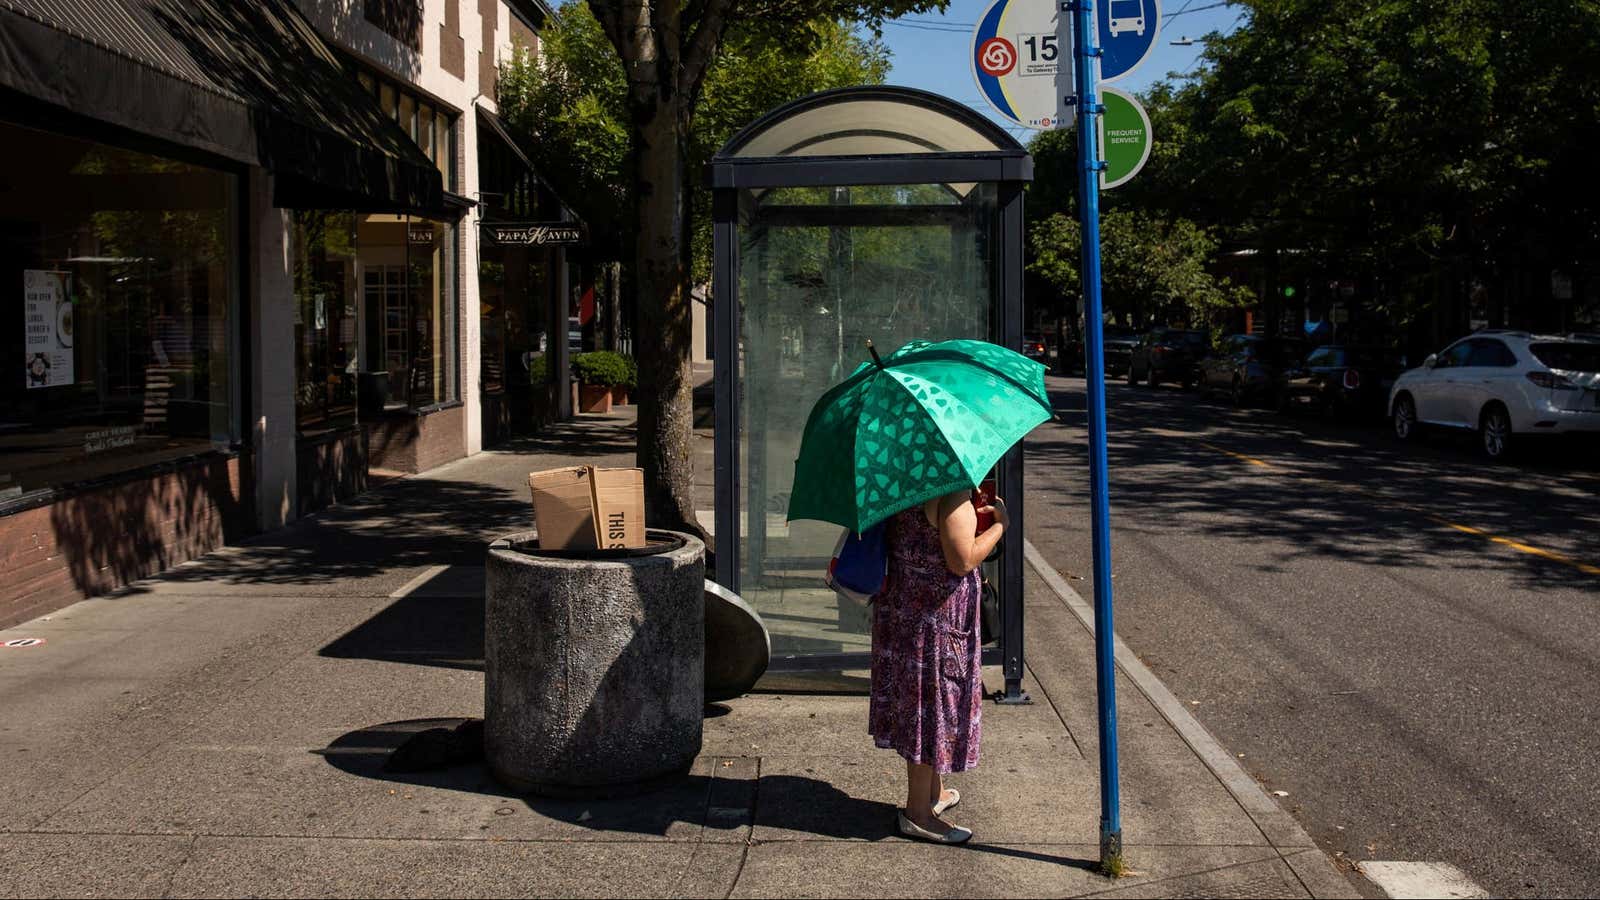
[(879, 213)]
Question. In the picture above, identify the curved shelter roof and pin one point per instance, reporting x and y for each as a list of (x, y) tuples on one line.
[(853, 135)]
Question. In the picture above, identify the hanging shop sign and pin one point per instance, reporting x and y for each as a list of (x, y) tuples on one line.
[(535, 234), (47, 327), (1022, 62)]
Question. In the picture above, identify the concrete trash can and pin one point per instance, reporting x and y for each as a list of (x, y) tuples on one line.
[(594, 664)]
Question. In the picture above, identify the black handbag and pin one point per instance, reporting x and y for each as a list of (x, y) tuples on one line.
[(989, 613)]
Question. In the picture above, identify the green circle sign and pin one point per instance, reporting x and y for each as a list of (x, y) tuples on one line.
[(1124, 137)]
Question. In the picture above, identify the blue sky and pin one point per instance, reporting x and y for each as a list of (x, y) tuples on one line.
[(931, 50)]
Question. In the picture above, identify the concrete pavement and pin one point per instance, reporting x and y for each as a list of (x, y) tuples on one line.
[(221, 730)]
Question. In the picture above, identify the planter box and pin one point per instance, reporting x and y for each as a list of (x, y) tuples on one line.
[(594, 398), (619, 396)]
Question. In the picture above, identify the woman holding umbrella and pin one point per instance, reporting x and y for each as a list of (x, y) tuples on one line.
[(903, 441)]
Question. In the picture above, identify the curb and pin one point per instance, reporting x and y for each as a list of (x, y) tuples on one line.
[(1282, 832)]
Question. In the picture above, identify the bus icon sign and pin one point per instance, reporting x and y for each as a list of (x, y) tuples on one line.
[(1125, 16), (1127, 30)]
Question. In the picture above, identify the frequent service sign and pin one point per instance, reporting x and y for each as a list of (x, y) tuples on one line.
[(1022, 61)]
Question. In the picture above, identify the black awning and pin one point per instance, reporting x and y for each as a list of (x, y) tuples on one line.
[(252, 82), (501, 130)]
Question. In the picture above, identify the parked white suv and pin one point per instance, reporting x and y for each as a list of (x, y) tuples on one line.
[(1500, 384)]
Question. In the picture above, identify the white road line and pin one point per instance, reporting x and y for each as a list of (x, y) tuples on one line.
[(427, 575), (1421, 880)]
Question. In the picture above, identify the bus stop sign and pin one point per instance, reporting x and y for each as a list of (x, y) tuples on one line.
[(1127, 32), (1022, 60)]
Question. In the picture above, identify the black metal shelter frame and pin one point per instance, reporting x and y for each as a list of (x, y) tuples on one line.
[(869, 136)]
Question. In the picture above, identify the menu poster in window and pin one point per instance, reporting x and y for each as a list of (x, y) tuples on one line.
[(47, 311)]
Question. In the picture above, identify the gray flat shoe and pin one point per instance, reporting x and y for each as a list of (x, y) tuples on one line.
[(942, 805), (956, 834)]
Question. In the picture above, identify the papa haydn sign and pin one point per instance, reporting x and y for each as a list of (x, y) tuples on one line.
[(538, 234)]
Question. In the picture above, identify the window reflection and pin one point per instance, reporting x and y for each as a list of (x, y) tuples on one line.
[(120, 298)]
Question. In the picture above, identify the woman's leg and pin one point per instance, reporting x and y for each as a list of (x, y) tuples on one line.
[(936, 789), (923, 789), (919, 808)]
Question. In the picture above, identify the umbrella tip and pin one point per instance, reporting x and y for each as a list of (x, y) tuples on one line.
[(874, 351)]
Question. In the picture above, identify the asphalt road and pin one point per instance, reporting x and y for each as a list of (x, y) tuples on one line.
[(1404, 638)]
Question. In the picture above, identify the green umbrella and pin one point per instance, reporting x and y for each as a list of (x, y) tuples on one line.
[(928, 420)]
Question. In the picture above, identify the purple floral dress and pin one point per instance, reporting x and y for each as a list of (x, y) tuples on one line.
[(927, 684)]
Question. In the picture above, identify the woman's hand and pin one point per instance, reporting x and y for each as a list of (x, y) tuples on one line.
[(997, 508), (964, 549)]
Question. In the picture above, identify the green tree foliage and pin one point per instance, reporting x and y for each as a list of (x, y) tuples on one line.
[(667, 49), (1419, 146), (624, 108), (570, 102), (1425, 150), (1152, 267), (567, 101), (1157, 264)]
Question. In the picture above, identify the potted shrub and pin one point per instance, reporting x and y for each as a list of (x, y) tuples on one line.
[(620, 390), (597, 373)]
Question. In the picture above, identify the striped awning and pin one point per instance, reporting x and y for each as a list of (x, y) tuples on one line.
[(250, 82)]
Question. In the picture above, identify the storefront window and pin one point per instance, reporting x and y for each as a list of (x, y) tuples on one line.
[(444, 151), (513, 298), (408, 116), (117, 275), (425, 129), (408, 291), (326, 320)]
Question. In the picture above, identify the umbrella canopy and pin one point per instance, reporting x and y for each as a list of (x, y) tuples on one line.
[(930, 419)]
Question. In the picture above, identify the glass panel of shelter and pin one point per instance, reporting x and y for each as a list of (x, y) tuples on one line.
[(822, 270)]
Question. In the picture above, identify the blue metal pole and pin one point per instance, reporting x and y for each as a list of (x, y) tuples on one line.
[(1089, 167)]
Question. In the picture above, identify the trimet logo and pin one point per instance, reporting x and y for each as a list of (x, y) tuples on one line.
[(997, 56)]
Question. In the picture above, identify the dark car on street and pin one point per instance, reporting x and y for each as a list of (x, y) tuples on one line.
[(1034, 348), (1343, 381), (1250, 368), (1168, 354), (1119, 344)]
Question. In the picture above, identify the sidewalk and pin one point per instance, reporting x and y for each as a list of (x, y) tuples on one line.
[(221, 730)]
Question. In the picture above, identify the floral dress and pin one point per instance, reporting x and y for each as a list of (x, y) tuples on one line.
[(927, 684)]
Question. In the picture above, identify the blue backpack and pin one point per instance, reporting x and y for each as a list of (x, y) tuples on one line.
[(860, 563)]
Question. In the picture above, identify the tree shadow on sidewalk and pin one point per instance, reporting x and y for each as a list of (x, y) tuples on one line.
[(717, 802), (410, 523), (728, 800)]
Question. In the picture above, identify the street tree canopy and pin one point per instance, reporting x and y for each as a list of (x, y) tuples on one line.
[(628, 133), (667, 47)]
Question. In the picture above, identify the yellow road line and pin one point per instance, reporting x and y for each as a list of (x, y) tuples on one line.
[(1249, 459), (1466, 529), (1519, 546)]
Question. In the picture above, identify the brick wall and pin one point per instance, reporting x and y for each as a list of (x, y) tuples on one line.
[(331, 470), (399, 19), (523, 36), (411, 443), (488, 70), (452, 46), (98, 541)]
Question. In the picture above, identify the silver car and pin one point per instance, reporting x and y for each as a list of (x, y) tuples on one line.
[(1502, 384)]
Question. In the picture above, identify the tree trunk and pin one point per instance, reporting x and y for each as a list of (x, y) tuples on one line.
[(613, 305), (663, 318)]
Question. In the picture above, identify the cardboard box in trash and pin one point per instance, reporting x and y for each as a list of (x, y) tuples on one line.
[(584, 508)]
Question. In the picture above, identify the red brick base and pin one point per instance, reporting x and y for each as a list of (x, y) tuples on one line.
[(412, 443), (97, 541)]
